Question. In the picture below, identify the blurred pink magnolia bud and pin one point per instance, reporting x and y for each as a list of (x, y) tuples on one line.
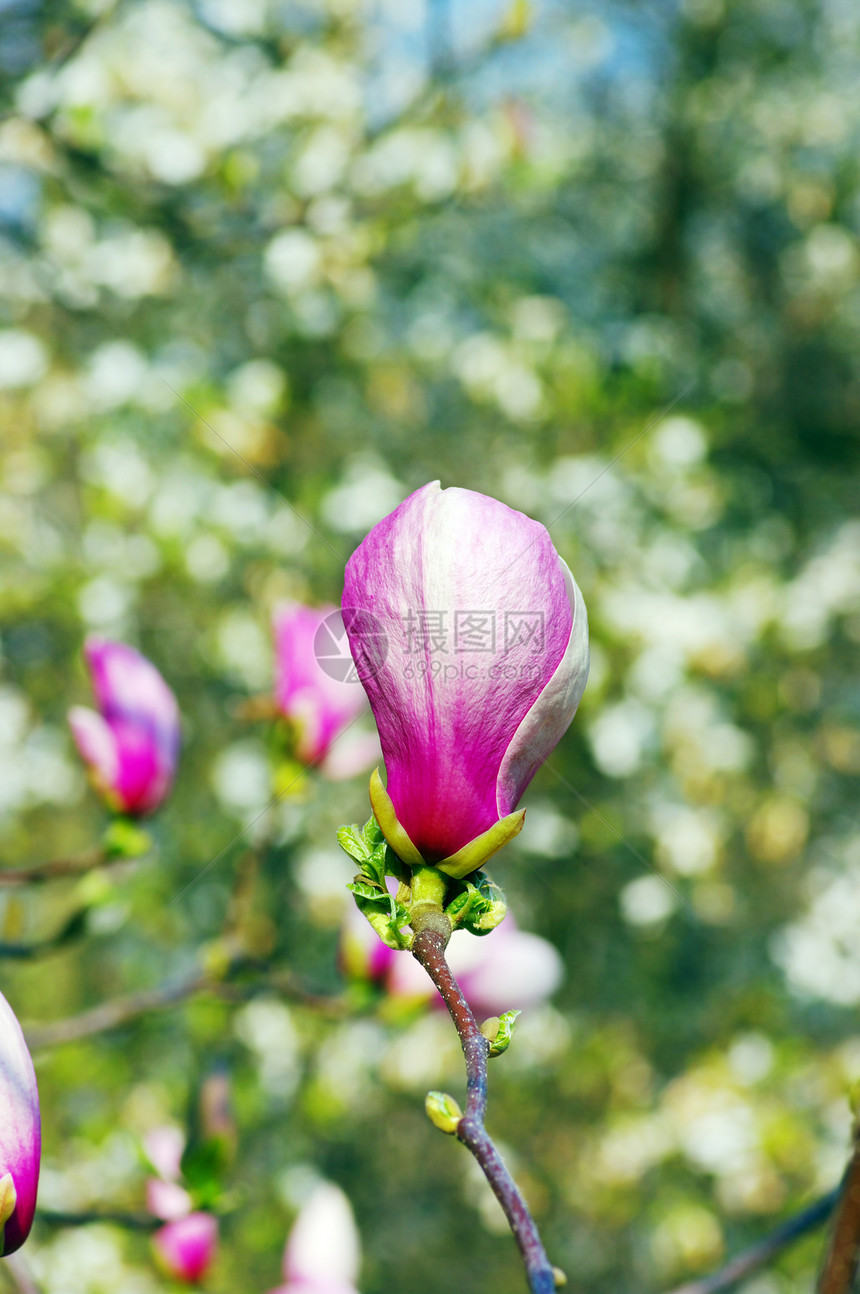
[(132, 744), (485, 659), (20, 1134), (317, 689), (322, 1255), (186, 1248), (165, 1198), (508, 968), (362, 955)]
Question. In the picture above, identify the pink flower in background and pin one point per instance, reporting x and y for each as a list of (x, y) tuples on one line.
[(322, 1254), (165, 1198), (186, 1248), (20, 1134), (506, 969), (317, 689), (486, 658), (132, 744)]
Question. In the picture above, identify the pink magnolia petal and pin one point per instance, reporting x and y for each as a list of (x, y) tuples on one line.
[(353, 753), (96, 742), (323, 1246), (143, 778), (501, 971), (486, 582), (315, 1287), (167, 1200), (133, 745), (187, 1247), (315, 685), (546, 722), (164, 1148), (20, 1128), (516, 970), (362, 953), (128, 687)]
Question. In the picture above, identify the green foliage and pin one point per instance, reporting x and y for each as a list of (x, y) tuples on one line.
[(499, 1031), (385, 913), (479, 906)]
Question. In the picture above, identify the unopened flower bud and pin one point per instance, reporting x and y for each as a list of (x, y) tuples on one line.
[(443, 1111), (20, 1134), (132, 744), (186, 1248), (462, 744)]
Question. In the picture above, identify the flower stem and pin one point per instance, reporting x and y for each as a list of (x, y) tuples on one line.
[(429, 949)]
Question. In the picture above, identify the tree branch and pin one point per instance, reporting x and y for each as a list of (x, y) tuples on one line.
[(71, 929), (429, 949), (131, 1221), (839, 1270), (109, 1015), (761, 1253), (41, 872), (122, 1010)]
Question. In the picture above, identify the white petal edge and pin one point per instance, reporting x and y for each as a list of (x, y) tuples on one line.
[(96, 743), (549, 718)]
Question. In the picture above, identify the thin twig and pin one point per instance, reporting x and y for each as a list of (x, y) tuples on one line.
[(87, 1217), (42, 872), (72, 928), (429, 949), (122, 1010), (109, 1015), (761, 1253), (839, 1270)]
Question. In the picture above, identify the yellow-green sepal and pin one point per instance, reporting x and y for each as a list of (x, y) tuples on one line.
[(473, 856), (380, 802), (8, 1200)]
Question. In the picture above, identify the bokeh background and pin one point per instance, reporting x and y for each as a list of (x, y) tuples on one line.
[(267, 267)]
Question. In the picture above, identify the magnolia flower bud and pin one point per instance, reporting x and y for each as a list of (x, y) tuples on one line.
[(132, 744), (486, 659), (443, 1111), (317, 689), (186, 1248), (20, 1134)]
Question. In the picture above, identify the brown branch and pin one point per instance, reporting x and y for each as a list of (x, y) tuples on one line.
[(72, 928), (109, 1015), (42, 872), (429, 949), (839, 1269), (87, 1217), (122, 1010), (761, 1253)]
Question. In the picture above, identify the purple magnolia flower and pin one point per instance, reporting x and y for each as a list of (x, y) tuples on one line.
[(486, 658), (322, 1254), (132, 744), (20, 1134), (316, 688), (186, 1247)]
